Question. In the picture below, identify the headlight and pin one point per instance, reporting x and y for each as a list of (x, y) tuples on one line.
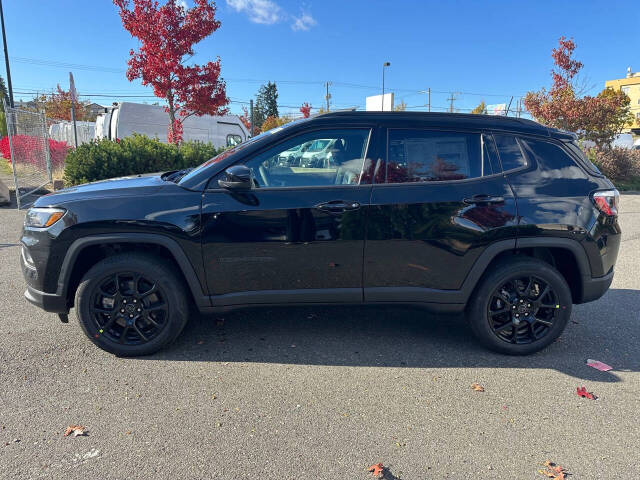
[(43, 217)]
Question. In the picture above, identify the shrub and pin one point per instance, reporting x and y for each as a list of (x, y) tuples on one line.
[(616, 163), (131, 156), (30, 150)]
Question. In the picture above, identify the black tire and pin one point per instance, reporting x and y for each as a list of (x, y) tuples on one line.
[(160, 304), (498, 313)]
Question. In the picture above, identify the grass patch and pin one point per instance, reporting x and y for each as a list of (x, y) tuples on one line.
[(5, 167)]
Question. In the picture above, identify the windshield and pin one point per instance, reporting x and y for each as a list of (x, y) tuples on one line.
[(317, 145), (237, 148)]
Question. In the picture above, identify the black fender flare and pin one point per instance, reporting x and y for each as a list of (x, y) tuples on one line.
[(200, 297)]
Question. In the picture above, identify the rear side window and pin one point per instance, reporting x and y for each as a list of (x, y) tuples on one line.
[(511, 155), (577, 151), (430, 156), (551, 157)]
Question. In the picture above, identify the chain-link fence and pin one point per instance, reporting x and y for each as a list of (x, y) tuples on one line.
[(62, 131), (30, 155)]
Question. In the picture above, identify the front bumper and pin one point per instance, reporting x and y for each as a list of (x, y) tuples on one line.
[(49, 302), (595, 287)]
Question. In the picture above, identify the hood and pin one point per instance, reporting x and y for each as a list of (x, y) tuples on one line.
[(137, 185)]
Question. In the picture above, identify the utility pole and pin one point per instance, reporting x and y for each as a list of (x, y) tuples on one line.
[(328, 95), (6, 57), (451, 99), (506, 114), (251, 117), (428, 92)]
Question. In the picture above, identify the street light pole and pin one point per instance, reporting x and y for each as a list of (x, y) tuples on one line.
[(385, 64)]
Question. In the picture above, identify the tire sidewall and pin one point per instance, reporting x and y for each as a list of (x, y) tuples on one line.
[(478, 314), (172, 293)]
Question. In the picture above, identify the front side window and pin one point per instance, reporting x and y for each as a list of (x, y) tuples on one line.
[(510, 153), (428, 156), (324, 157)]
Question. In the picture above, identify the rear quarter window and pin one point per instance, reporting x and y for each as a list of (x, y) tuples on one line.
[(510, 153), (552, 157)]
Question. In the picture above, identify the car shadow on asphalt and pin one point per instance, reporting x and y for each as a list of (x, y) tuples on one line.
[(405, 337)]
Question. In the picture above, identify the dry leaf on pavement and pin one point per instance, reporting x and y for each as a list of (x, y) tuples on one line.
[(377, 469), (75, 430), (582, 392), (477, 387), (553, 471)]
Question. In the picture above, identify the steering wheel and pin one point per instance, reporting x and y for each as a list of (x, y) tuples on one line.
[(264, 175)]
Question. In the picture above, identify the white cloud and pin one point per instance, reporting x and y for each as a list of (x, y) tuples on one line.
[(183, 4), (259, 11), (303, 22)]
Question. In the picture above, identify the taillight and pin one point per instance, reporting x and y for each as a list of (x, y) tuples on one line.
[(607, 201)]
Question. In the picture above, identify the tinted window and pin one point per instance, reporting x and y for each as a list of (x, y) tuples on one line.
[(426, 156), (326, 157), (578, 152), (510, 154), (551, 157)]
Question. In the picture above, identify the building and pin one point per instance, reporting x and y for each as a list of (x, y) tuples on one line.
[(631, 86)]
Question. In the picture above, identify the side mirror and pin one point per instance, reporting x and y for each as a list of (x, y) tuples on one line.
[(237, 177)]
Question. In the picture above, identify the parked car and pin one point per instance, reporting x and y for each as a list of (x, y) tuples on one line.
[(500, 218)]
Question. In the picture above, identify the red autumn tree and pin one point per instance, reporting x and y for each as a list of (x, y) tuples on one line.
[(167, 35), (305, 109), (58, 106), (598, 118)]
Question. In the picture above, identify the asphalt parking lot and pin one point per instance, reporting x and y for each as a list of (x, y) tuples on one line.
[(311, 393)]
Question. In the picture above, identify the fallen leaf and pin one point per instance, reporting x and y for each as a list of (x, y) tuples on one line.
[(75, 430), (200, 342), (553, 471), (377, 469), (603, 367), (477, 387), (582, 392)]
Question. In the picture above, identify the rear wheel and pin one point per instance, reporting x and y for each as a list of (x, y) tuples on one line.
[(520, 307), (132, 304)]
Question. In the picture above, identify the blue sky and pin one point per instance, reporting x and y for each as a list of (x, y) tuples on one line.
[(486, 50)]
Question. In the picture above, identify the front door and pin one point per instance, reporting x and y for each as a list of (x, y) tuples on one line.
[(298, 235), (444, 199)]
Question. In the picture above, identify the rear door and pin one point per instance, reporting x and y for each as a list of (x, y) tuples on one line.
[(442, 201), (298, 235)]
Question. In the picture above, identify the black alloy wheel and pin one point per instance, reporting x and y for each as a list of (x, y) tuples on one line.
[(521, 306), (522, 310), (129, 308), (132, 304)]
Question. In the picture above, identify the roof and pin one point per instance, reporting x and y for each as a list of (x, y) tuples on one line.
[(452, 120)]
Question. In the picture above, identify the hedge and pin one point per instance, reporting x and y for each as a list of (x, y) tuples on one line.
[(131, 156), (30, 150), (620, 165)]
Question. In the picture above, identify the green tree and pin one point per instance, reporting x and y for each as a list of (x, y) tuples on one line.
[(3, 120), (480, 109), (266, 104)]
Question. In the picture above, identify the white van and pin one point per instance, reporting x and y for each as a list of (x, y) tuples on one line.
[(127, 118)]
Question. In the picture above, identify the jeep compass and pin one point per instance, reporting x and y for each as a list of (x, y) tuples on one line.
[(501, 218)]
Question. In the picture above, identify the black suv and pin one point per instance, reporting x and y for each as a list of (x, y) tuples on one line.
[(501, 218)]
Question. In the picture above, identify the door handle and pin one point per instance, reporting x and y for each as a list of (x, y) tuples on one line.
[(338, 206), (483, 199)]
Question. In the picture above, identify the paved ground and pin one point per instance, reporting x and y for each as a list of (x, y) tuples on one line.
[(320, 394)]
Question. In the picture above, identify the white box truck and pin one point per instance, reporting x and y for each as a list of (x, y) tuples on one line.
[(126, 118)]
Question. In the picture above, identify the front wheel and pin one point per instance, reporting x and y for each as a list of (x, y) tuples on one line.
[(520, 307), (132, 304)]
